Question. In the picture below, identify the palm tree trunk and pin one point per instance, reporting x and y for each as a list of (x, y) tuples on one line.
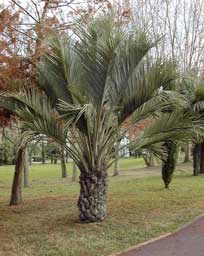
[(196, 159), (63, 164), (202, 157), (169, 163), (116, 166), (74, 172), (16, 196), (92, 199), (26, 170)]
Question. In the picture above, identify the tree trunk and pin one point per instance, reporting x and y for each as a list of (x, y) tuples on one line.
[(92, 199), (151, 160), (63, 164), (145, 160), (66, 157), (202, 157), (169, 163), (74, 172), (16, 196), (116, 165), (187, 154), (55, 160), (43, 153), (196, 159), (52, 161), (26, 170), (30, 157)]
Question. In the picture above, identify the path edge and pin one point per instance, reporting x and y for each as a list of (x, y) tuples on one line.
[(158, 237)]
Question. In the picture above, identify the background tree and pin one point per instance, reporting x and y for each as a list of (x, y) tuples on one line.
[(63, 163), (74, 172), (117, 156), (26, 170), (43, 151), (196, 159), (16, 196)]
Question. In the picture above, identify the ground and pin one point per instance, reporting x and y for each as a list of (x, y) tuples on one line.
[(139, 208)]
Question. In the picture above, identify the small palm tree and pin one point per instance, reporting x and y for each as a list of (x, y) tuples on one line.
[(194, 94), (89, 86), (194, 90)]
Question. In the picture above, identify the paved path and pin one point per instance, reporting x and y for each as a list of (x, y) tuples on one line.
[(188, 241)]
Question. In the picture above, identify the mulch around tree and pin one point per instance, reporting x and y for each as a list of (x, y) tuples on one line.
[(188, 241)]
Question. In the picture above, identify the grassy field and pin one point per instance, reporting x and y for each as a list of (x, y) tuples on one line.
[(139, 208)]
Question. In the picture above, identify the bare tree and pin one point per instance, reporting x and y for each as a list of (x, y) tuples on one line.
[(181, 23)]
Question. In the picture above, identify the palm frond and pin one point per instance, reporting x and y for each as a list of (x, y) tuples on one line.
[(198, 106), (35, 112), (71, 114), (58, 69), (96, 49), (160, 102), (141, 86), (175, 126)]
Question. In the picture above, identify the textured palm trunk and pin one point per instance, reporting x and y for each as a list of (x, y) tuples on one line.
[(26, 171), (202, 157), (92, 199), (169, 164), (196, 159), (16, 197), (63, 165)]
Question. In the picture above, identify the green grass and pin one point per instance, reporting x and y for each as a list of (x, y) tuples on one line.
[(46, 224)]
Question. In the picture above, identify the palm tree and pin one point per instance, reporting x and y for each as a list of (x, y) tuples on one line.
[(194, 93), (193, 90), (89, 86)]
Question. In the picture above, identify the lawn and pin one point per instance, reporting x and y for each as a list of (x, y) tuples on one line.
[(139, 208)]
